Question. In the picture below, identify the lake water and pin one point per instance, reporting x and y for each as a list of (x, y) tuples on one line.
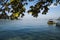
[(28, 30)]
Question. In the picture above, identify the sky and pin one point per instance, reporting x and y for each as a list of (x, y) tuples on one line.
[(54, 11)]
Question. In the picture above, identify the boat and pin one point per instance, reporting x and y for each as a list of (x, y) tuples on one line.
[(51, 22)]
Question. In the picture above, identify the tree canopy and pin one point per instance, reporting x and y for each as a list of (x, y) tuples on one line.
[(12, 9)]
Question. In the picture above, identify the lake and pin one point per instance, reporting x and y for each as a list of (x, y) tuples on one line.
[(31, 29)]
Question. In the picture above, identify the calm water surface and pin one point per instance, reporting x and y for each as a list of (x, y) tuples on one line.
[(28, 30)]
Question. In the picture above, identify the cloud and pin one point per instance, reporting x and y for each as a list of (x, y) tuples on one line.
[(53, 6)]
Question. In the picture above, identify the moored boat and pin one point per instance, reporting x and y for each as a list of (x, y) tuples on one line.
[(51, 22)]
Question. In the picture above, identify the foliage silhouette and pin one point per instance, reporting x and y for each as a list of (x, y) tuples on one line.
[(16, 8)]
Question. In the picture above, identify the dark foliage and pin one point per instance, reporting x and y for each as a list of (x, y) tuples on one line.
[(16, 7)]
